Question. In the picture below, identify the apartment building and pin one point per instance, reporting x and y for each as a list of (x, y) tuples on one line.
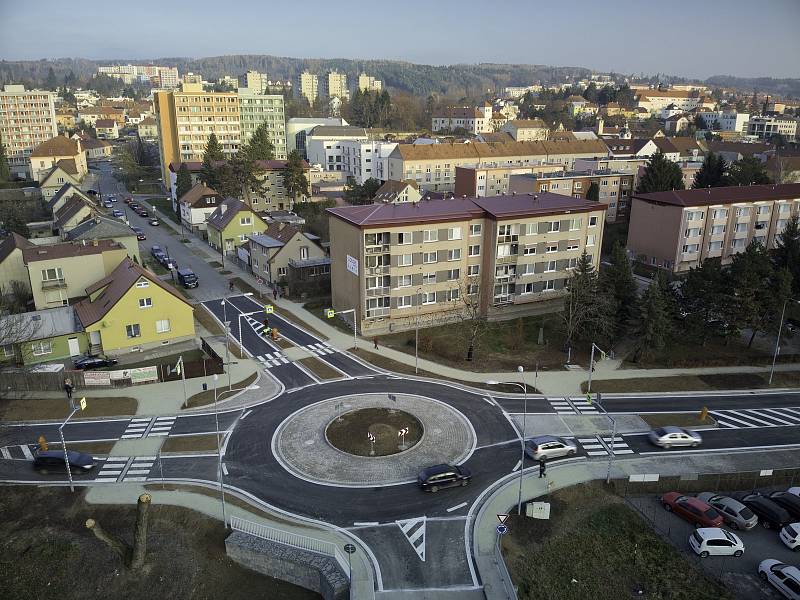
[(334, 85), (271, 194), (367, 83), (165, 77), (614, 188), (188, 117), (433, 166), (764, 127), (430, 260), (473, 120), (493, 179), (324, 144), (526, 130), (656, 100), (27, 118), (307, 86), (678, 230), (363, 160), (725, 120), (298, 128), (256, 108)]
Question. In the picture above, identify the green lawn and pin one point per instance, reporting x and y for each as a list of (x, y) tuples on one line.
[(696, 383)]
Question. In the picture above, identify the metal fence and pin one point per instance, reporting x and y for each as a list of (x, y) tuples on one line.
[(706, 482), (287, 538)]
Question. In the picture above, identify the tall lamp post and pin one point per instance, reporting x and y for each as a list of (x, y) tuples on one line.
[(778, 339), (227, 334), (521, 371), (416, 332), (219, 453)]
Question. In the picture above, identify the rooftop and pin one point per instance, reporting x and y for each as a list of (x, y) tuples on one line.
[(39, 324), (338, 131), (68, 250), (57, 146), (724, 195)]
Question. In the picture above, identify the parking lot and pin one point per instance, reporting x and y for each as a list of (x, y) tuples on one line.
[(740, 575)]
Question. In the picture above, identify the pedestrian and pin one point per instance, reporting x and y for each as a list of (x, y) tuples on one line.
[(542, 469), (375, 341), (275, 293), (230, 286)]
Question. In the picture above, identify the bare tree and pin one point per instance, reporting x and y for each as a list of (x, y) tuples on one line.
[(470, 313), (131, 556)]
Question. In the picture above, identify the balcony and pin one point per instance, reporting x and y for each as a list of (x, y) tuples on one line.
[(379, 291), (373, 313), (378, 249), (54, 284), (379, 270), (506, 260)]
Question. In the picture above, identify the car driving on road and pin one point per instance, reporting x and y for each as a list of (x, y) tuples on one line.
[(545, 447), (54, 459), (669, 437), (736, 514), (139, 233), (437, 477), (692, 509)]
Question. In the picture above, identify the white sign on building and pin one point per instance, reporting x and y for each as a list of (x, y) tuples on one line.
[(352, 265)]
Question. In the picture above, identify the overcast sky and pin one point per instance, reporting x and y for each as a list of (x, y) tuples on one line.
[(697, 38)]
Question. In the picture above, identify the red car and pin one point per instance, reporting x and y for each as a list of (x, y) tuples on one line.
[(693, 510)]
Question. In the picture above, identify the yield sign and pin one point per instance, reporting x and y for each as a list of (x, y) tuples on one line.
[(502, 518)]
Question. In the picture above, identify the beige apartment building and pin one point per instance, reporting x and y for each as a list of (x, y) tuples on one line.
[(188, 117), (308, 86), (431, 260), (27, 118), (367, 83), (433, 166), (526, 130), (492, 180), (678, 230), (335, 85)]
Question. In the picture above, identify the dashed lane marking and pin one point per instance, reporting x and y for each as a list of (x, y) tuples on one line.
[(414, 530), (456, 507)]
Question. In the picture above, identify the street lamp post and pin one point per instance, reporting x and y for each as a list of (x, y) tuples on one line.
[(416, 333), (591, 365), (64, 447), (524, 422), (227, 334), (219, 454), (778, 339)]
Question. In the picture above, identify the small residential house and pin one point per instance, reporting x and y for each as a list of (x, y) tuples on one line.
[(676, 124), (106, 129), (229, 225), (72, 212), (42, 336), (99, 227), (398, 191), (59, 273), (271, 252), (194, 167), (60, 174), (95, 148), (526, 130), (131, 309), (56, 149), (148, 129), (12, 266), (65, 192), (197, 205)]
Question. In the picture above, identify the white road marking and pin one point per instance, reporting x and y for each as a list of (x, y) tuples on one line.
[(26, 452), (517, 466), (456, 507), (4, 451), (224, 469), (244, 416), (365, 523)]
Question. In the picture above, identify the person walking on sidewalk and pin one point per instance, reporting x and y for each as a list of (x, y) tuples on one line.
[(230, 286), (275, 293), (542, 469), (375, 341)]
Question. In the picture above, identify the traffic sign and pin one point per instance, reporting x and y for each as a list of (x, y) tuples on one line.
[(329, 313), (502, 518), (502, 529), (260, 281), (269, 309), (349, 548), (83, 403)]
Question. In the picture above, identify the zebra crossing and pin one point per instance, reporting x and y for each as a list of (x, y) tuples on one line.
[(124, 468), (161, 427), (760, 417), (139, 468), (320, 349), (272, 359), (603, 445), (573, 406), (18, 452), (148, 426), (136, 428), (561, 406), (414, 531), (111, 469), (584, 407)]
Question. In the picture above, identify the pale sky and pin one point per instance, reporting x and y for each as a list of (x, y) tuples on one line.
[(696, 38)]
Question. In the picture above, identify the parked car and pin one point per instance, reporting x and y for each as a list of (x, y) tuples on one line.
[(187, 278), (107, 204), (667, 437), (692, 509), (790, 536), (735, 514), (437, 477), (93, 362), (155, 249), (784, 578), (116, 213), (139, 233), (142, 212), (154, 222), (54, 459), (167, 261), (134, 205), (714, 541), (794, 490), (92, 192), (545, 447), (789, 502), (770, 514)]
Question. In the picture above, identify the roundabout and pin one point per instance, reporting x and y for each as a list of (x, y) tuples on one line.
[(330, 442)]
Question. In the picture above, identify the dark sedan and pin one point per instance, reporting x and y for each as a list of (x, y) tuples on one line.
[(770, 514), (437, 477), (93, 362), (139, 233), (54, 459)]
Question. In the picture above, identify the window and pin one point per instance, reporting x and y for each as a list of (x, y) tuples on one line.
[(454, 233), (474, 230), (428, 257), (717, 229), (41, 347), (430, 235), (575, 224), (761, 224), (504, 250), (763, 210), (742, 212), (428, 278), (715, 245), (550, 266), (453, 274), (592, 221), (145, 302), (474, 250), (691, 232), (690, 248), (281, 271), (404, 302), (720, 213), (245, 221), (590, 240), (694, 215), (741, 228), (473, 269), (454, 254), (552, 248), (554, 226), (738, 243), (404, 238), (429, 298), (452, 295), (377, 282), (133, 331), (472, 289), (52, 274), (527, 289), (572, 245), (573, 262), (549, 286), (404, 281), (142, 284), (782, 208), (404, 260), (529, 250), (162, 326)]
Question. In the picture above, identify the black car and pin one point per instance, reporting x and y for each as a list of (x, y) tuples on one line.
[(54, 459), (187, 278), (789, 502), (154, 250), (437, 477), (92, 192), (139, 233), (93, 362), (770, 514)]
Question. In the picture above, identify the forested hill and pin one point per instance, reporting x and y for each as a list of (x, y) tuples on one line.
[(417, 79)]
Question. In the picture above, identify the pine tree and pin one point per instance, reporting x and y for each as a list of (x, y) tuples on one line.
[(706, 301), (588, 309), (748, 170), (51, 83), (260, 146), (593, 193), (183, 182), (712, 173), (660, 175), (294, 176), (787, 250), (212, 154), (5, 171), (618, 280), (751, 273), (653, 326)]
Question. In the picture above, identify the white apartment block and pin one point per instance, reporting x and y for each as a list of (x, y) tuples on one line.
[(520, 91), (27, 118), (298, 128), (256, 108), (726, 120), (474, 120), (367, 83), (165, 77), (764, 127), (307, 86), (364, 160), (256, 81), (656, 100), (324, 145)]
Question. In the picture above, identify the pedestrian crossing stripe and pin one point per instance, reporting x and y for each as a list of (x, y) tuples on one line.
[(414, 531), (272, 359), (320, 349), (562, 406), (762, 417), (125, 468)]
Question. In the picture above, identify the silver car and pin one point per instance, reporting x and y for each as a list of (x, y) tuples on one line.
[(667, 437), (545, 447), (736, 514)]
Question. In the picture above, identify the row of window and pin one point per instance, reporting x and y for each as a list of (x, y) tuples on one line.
[(739, 211), (134, 330), (736, 244)]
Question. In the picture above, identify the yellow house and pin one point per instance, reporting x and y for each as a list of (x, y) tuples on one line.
[(12, 267), (229, 225), (56, 149), (133, 310), (62, 173)]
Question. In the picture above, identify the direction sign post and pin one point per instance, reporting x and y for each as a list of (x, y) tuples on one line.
[(350, 548)]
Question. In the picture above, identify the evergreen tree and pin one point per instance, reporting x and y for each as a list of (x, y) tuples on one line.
[(294, 176), (51, 83), (260, 146), (785, 256), (355, 193), (706, 301), (660, 175), (618, 280), (748, 170), (183, 182), (588, 309), (213, 154), (593, 193), (751, 273), (712, 173), (5, 171), (653, 326)]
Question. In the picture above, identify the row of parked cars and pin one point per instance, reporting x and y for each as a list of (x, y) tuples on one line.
[(186, 277), (709, 511)]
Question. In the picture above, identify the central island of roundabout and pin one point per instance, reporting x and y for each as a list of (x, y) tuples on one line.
[(368, 440)]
